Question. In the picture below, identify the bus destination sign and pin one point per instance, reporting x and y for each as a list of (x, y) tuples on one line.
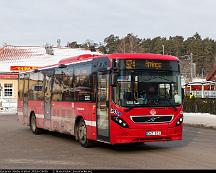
[(149, 65)]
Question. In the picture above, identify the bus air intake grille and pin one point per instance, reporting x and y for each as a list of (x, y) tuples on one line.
[(152, 119)]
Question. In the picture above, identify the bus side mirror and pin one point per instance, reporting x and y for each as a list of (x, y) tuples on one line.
[(113, 81)]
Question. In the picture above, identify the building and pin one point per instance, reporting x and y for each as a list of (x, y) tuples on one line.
[(203, 88), (15, 59), (212, 75), (8, 91)]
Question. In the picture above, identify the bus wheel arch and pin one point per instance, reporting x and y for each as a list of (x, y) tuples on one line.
[(81, 132), (78, 118)]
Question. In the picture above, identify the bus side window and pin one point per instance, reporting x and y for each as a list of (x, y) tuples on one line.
[(57, 86), (83, 83), (67, 90)]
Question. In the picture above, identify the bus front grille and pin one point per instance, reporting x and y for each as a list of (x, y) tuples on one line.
[(152, 118)]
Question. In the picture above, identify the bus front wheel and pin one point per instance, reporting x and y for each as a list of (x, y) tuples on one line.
[(82, 134), (33, 125)]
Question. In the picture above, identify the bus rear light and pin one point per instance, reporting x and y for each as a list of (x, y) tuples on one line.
[(180, 121), (119, 121)]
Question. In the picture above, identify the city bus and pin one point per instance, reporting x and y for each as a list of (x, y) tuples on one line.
[(110, 98)]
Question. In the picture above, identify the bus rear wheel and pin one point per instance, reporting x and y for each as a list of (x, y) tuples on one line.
[(33, 125), (82, 134)]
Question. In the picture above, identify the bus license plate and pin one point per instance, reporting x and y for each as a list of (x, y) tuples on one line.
[(153, 133)]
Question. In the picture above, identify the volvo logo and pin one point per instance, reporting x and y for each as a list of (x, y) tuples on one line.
[(153, 112), (152, 119)]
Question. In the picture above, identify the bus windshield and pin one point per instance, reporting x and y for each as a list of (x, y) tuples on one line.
[(147, 88)]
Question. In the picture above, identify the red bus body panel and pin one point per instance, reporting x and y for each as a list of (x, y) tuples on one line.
[(64, 114), (137, 131)]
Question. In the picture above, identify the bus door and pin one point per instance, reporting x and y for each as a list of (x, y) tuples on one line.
[(103, 107), (25, 99), (48, 78)]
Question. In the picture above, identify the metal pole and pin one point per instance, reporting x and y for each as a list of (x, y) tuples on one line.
[(191, 59), (163, 48), (202, 90), (1, 96)]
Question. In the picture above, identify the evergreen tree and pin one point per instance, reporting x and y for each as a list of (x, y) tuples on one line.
[(111, 43), (203, 50)]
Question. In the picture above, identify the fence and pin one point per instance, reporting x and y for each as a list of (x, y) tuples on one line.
[(205, 105)]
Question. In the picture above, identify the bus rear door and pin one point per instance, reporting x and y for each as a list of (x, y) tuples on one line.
[(48, 80)]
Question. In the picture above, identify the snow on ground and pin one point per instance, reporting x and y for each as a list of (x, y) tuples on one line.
[(200, 119)]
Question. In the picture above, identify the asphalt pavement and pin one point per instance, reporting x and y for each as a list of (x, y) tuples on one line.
[(20, 149)]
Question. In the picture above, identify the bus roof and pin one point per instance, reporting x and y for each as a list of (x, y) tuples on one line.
[(119, 56), (89, 57), (143, 56)]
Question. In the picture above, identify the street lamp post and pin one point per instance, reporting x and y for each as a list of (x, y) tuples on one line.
[(191, 61), (163, 48)]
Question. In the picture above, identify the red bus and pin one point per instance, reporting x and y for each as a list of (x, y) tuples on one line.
[(114, 98)]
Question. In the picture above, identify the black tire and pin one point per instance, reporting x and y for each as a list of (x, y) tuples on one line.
[(33, 125), (82, 134), (76, 132)]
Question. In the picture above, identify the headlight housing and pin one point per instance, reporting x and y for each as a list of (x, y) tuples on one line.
[(119, 121), (180, 121)]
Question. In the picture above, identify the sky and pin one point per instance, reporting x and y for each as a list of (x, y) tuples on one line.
[(37, 22)]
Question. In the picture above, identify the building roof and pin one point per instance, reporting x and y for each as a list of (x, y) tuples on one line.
[(35, 56), (212, 75), (201, 83)]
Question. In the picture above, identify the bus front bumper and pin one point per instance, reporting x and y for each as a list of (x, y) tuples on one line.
[(124, 135)]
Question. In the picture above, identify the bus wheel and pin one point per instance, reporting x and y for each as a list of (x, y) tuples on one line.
[(33, 125), (82, 135)]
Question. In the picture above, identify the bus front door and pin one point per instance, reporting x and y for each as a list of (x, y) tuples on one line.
[(48, 76), (103, 108)]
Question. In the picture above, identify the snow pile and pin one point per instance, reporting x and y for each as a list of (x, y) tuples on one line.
[(200, 119)]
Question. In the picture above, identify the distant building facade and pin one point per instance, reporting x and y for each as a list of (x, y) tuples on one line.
[(8, 91), (212, 75), (205, 88)]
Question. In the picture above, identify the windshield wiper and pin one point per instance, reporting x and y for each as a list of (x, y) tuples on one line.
[(173, 106)]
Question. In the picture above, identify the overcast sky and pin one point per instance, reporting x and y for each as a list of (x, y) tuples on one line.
[(35, 22)]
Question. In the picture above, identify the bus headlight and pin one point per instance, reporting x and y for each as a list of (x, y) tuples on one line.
[(180, 121), (119, 121)]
